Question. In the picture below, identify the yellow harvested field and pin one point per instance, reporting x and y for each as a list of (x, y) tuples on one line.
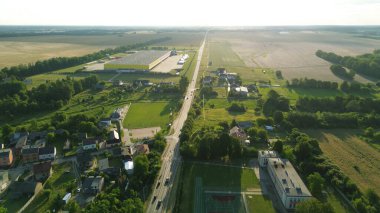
[(357, 159), (16, 52)]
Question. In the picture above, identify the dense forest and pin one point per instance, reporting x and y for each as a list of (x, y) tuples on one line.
[(367, 64), (22, 71)]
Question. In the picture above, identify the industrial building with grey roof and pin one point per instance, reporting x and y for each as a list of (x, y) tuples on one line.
[(141, 60)]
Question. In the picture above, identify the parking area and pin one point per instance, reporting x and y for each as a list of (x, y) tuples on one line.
[(168, 64), (144, 132)]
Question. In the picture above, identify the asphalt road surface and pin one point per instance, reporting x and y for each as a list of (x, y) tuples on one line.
[(171, 158)]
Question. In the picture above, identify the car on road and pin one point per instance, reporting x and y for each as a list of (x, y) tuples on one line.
[(158, 185), (158, 205), (167, 181), (154, 199)]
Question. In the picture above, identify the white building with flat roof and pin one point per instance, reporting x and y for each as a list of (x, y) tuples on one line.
[(288, 184), (264, 155)]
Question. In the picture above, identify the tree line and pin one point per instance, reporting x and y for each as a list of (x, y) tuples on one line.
[(368, 64), (16, 99), (330, 120), (25, 70), (311, 84), (345, 86), (338, 104)]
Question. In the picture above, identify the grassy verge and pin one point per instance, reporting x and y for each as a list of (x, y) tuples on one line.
[(259, 203)]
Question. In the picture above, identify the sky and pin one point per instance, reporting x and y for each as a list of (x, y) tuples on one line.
[(190, 12)]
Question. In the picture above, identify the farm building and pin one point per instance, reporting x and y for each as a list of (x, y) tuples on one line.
[(142, 60)]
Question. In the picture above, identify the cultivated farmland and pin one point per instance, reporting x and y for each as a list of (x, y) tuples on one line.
[(357, 159), (28, 49), (294, 52)]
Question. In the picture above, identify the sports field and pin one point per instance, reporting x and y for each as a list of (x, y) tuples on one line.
[(148, 114), (214, 178), (357, 159)]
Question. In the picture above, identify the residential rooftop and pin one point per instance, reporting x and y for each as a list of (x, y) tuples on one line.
[(145, 57), (268, 154), (290, 181)]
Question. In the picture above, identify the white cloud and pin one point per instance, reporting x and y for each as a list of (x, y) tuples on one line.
[(188, 13)]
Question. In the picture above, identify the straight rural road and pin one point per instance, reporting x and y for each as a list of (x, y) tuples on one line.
[(171, 158)]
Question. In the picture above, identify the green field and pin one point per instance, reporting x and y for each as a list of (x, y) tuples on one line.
[(258, 204), (213, 177), (216, 111), (148, 114), (221, 55)]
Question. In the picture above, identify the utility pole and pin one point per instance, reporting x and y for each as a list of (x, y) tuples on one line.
[(204, 114)]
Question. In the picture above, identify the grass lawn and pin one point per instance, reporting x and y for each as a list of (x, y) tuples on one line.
[(216, 111), (259, 203), (215, 177), (355, 157), (13, 205), (56, 185), (148, 114)]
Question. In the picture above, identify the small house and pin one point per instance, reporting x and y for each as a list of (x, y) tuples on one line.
[(85, 160), (15, 137), (117, 114), (112, 143), (207, 81), (103, 164), (6, 157), (242, 91), (104, 123), (33, 136), (42, 171), (93, 185), (238, 133), (30, 154), (47, 153), (90, 144)]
